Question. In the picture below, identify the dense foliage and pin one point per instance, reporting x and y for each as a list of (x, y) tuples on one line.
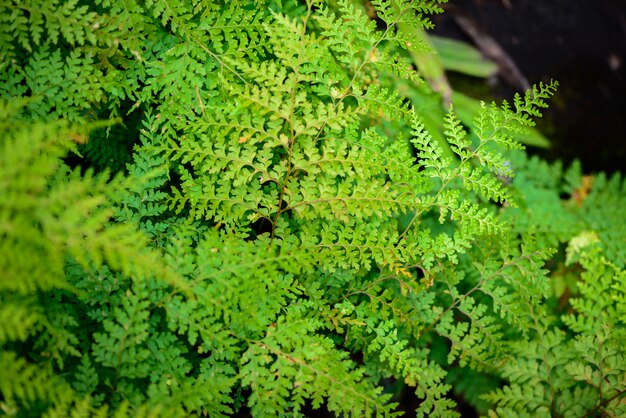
[(229, 208)]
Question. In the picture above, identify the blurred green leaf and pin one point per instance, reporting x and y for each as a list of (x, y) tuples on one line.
[(462, 57)]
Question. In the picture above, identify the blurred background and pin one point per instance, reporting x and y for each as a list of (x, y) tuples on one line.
[(581, 44)]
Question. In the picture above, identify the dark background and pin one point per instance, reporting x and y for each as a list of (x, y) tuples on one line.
[(581, 44)]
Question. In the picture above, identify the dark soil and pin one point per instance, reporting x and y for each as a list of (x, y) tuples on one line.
[(580, 43)]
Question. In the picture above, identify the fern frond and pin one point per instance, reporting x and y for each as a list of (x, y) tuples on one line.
[(208, 394), (29, 22), (26, 383), (593, 310), (17, 321), (85, 408), (303, 357), (494, 124)]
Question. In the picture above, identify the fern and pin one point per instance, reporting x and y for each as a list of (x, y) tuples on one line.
[(563, 204), (573, 377), (48, 218), (30, 22), (284, 233)]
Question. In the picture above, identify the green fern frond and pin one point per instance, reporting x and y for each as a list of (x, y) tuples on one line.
[(579, 376), (17, 321), (303, 357), (84, 408), (28, 23), (22, 383)]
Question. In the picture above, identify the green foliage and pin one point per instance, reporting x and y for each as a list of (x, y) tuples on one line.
[(567, 206), (53, 217), (576, 367), (287, 235)]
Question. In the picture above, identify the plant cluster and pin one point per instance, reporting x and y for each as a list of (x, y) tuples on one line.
[(221, 208)]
